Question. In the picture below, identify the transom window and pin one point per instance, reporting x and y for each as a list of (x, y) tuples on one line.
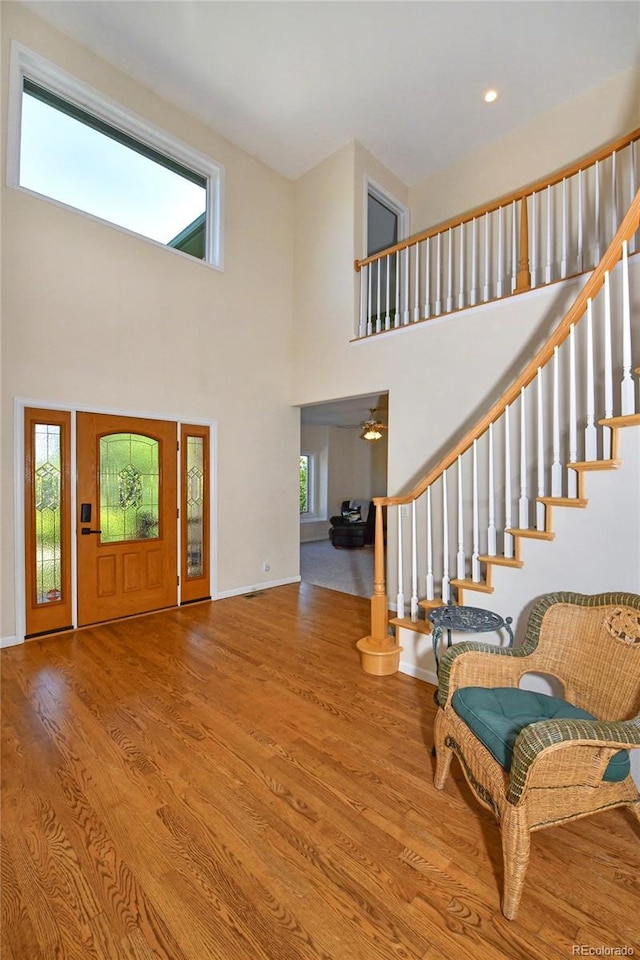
[(87, 153)]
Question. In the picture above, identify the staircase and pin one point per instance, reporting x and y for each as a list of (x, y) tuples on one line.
[(471, 521)]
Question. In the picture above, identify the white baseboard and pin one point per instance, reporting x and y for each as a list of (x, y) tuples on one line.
[(10, 642), (252, 588), (412, 671)]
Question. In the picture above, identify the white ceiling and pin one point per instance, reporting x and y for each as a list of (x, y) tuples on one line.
[(293, 81), (351, 412)]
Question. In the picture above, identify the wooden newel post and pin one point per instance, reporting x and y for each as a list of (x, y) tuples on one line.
[(379, 653), (523, 279)]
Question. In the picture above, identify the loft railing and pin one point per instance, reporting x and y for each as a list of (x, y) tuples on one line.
[(550, 230), (526, 455)]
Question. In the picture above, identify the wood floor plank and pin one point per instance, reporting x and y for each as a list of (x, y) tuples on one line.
[(223, 782)]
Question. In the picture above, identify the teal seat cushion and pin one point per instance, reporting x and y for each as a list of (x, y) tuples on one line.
[(498, 714)]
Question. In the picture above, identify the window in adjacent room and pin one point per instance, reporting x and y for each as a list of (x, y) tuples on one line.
[(306, 484), (89, 154)]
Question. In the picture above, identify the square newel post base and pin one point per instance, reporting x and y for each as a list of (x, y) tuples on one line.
[(380, 658)]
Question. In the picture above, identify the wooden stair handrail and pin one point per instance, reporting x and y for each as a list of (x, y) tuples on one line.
[(576, 311), (517, 195)]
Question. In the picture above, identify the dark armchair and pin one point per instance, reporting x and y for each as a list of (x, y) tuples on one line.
[(355, 527)]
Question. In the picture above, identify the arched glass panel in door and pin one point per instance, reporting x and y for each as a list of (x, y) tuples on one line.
[(129, 469)]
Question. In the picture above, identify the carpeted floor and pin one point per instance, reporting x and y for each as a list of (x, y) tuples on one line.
[(349, 571)]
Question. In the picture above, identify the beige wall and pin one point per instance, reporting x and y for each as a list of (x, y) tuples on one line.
[(529, 153), (95, 317)]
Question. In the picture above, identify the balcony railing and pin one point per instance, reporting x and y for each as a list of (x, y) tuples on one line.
[(550, 230)]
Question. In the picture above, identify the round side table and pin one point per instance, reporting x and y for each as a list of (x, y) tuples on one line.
[(465, 620)]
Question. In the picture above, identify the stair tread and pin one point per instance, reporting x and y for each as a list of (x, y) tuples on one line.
[(431, 604), (420, 626), (532, 534), (481, 587), (564, 501), (502, 561), (595, 464)]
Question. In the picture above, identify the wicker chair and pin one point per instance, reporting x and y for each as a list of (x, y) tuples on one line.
[(558, 769)]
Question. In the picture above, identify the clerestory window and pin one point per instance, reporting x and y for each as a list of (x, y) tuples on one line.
[(81, 150)]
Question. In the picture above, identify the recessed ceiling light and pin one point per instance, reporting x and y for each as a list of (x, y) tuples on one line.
[(490, 96)]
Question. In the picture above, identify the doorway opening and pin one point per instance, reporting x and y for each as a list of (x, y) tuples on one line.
[(345, 467)]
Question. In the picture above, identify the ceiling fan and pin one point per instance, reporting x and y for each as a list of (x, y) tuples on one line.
[(372, 428)]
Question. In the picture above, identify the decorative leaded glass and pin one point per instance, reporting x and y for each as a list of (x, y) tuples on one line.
[(195, 506), (47, 514), (129, 487)]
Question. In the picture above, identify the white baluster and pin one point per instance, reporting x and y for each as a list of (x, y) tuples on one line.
[(369, 300), (460, 559), (446, 581), (548, 271), (523, 502), (430, 583), (396, 319), (565, 230), (475, 556), (462, 256), (486, 292), (378, 300), (534, 240), (439, 275), (556, 466), (540, 508), (500, 253), (608, 368), (405, 313), (614, 195), (491, 529), (514, 247), (427, 278), (416, 301), (580, 257), (473, 295), (387, 316), (627, 390), (450, 272), (414, 564), (400, 599), (596, 218), (362, 329), (590, 430), (508, 538), (572, 480)]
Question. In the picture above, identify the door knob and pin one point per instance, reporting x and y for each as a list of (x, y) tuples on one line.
[(85, 531)]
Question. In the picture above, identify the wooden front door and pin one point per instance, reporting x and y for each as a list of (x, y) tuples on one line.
[(126, 516)]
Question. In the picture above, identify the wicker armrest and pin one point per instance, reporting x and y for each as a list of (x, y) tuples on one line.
[(473, 663), (538, 737)]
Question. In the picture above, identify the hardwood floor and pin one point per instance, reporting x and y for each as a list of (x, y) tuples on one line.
[(223, 781)]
